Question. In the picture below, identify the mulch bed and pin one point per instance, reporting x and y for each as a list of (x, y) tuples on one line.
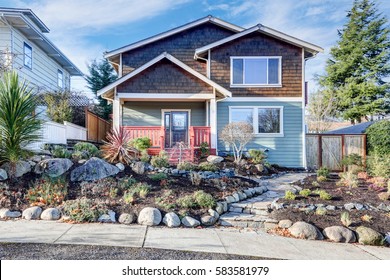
[(364, 194)]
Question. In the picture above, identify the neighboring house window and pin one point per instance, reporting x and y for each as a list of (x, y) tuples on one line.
[(60, 79), (27, 56), (266, 120), (256, 71)]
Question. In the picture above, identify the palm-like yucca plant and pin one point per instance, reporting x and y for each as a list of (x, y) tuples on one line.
[(117, 147), (18, 124)]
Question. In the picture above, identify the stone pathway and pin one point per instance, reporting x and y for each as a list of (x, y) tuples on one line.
[(254, 212)]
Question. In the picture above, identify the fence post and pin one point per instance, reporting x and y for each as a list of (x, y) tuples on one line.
[(319, 151)]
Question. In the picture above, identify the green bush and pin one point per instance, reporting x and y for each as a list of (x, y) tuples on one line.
[(187, 166), (323, 171), (321, 179), (126, 183), (206, 166), (378, 138), (379, 166), (47, 191), (83, 210), (187, 201), (160, 161), (289, 195), (142, 190), (204, 200), (129, 197), (204, 149), (141, 143), (158, 176), (348, 179), (87, 149), (257, 156), (305, 192), (144, 156), (60, 152), (98, 188), (324, 195)]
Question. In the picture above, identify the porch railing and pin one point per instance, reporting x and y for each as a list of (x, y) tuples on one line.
[(154, 133), (199, 135)]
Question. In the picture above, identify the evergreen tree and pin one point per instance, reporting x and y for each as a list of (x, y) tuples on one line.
[(359, 63), (101, 74)]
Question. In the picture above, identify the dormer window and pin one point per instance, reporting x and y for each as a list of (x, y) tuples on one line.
[(256, 71)]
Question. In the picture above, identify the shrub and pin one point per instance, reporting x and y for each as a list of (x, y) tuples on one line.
[(58, 107), (161, 160), (321, 211), (117, 148), (305, 192), (60, 152), (315, 184), (289, 195), (206, 166), (184, 165), (129, 197), (83, 210), (323, 171), (237, 135), (50, 192), (324, 195), (378, 166), (165, 201), (144, 156), (141, 143), (204, 149), (321, 179), (126, 183), (87, 149), (142, 190), (100, 187), (348, 179), (257, 156), (353, 161), (158, 176), (187, 201), (345, 219), (204, 200), (378, 138), (196, 179), (19, 126)]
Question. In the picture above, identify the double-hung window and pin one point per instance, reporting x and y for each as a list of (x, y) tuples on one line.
[(256, 71), (60, 79), (265, 120), (27, 55)]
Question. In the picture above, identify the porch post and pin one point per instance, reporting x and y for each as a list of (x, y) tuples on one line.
[(116, 113), (213, 123)]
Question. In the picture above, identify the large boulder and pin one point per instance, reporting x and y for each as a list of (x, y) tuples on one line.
[(139, 167), (51, 214), (53, 167), (214, 159), (22, 167), (32, 213), (94, 169), (8, 214), (305, 231), (208, 220), (339, 234), (149, 216), (190, 222), (368, 236), (171, 220)]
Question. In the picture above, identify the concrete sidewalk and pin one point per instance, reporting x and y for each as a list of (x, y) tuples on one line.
[(217, 240)]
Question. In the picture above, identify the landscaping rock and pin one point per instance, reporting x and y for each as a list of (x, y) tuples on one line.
[(126, 218), (225, 206), (339, 234), (36, 158), (359, 206), (330, 207), (190, 222), (149, 216), (3, 175), (219, 208), (349, 206), (32, 213), (368, 236), (51, 214), (7, 214), (94, 169), (383, 207), (53, 167), (230, 199), (259, 167), (214, 213), (208, 220), (107, 218), (120, 166), (171, 220), (138, 167), (259, 190), (305, 231), (236, 197), (214, 159), (248, 193), (285, 223), (22, 167)]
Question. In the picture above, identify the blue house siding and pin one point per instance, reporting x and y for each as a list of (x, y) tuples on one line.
[(286, 150)]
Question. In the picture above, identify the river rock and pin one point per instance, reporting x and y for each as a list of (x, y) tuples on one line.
[(285, 223), (107, 218), (368, 236), (127, 218), (51, 214), (214, 159), (138, 167), (171, 220), (190, 222), (32, 213), (149, 216), (120, 166), (7, 214), (94, 169), (305, 231), (339, 234), (3, 175)]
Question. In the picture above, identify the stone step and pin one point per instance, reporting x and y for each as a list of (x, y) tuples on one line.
[(245, 220)]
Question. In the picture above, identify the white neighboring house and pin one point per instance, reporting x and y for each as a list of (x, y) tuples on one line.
[(37, 60)]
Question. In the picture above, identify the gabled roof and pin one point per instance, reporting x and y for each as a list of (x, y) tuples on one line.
[(176, 30), (33, 28), (352, 129), (311, 48), (174, 60)]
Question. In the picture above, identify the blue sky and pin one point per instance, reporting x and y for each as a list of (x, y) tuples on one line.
[(84, 29)]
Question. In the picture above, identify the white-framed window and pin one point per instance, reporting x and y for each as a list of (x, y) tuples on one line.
[(265, 120), (27, 50), (60, 79), (256, 71)]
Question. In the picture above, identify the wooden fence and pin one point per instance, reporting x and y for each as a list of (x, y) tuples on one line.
[(97, 127), (327, 150)]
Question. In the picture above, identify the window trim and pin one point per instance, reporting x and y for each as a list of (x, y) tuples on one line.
[(255, 85), (24, 55), (62, 80), (255, 124)]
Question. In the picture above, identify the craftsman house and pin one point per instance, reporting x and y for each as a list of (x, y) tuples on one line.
[(186, 84)]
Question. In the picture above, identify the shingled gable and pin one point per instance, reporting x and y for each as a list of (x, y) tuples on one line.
[(310, 49), (168, 33), (157, 59)]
